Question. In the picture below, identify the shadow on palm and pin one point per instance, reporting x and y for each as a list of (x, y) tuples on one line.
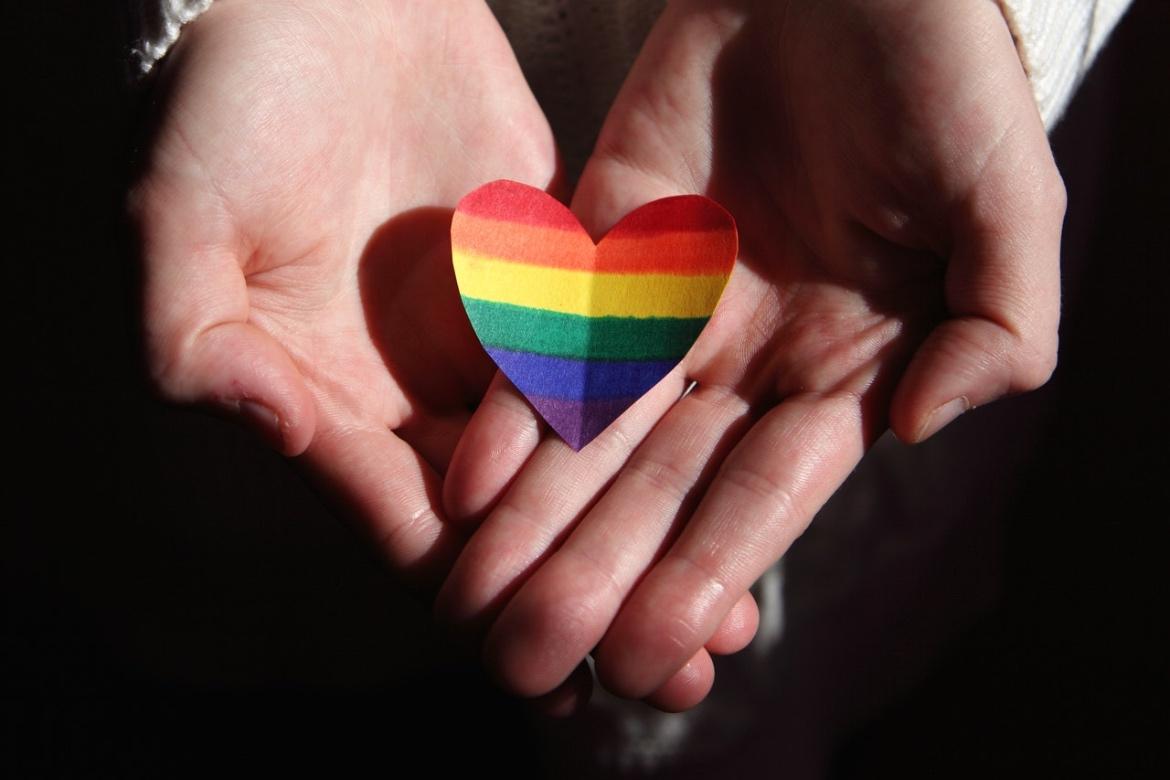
[(416, 321), (820, 303)]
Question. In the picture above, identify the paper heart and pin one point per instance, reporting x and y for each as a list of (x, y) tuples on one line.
[(584, 330)]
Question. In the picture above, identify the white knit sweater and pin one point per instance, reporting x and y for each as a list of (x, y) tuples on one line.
[(1057, 41), (158, 23)]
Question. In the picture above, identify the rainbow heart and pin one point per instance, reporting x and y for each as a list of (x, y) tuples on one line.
[(584, 330)]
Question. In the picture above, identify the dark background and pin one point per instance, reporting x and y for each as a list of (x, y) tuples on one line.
[(175, 600)]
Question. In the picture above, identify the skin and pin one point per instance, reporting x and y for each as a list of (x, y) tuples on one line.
[(294, 209), (900, 217)]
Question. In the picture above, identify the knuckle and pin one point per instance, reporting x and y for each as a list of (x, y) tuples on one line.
[(633, 665), (661, 476), (164, 367), (467, 598), (757, 484), (1036, 368), (531, 522), (1054, 192), (682, 635), (553, 637), (710, 584), (399, 539), (595, 570), (1035, 356)]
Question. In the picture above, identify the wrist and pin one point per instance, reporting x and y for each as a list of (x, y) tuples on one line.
[(1009, 18), (1057, 43)]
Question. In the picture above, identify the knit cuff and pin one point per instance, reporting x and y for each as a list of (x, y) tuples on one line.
[(156, 28), (1057, 42)]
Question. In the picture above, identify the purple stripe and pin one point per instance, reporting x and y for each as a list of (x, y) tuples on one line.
[(579, 422), (554, 377)]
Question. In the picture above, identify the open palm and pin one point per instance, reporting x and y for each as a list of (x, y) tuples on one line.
[(294, 210), (899, 214)]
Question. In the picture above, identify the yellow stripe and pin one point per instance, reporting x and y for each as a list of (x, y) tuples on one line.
[(584, 293)]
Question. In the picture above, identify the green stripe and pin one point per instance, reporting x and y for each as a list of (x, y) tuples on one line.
[(545, 332)]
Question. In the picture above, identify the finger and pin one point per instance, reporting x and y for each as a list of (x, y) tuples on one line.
[(391, 493), (763, 497), (643, 151), (200, 346), (565, 608), (555, 488), (502, 434), (737, 629), (435, 437), (686, 687), (237, 368), (569, 697), (521, 531), (1002, 291)]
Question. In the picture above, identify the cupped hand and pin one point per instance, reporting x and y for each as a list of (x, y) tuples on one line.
[(294, 211), (900, 217)]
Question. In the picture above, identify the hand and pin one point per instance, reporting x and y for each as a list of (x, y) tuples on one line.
[(294, 211), (900, 217)]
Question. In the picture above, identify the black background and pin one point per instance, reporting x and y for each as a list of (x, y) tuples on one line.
[(177, 601)]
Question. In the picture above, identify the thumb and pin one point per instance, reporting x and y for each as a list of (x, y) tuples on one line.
[(610, 188), (656, 140), (236, 368), (201, 347), (1002, 292)]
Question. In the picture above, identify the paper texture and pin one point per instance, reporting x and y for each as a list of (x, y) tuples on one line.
[(584, 330)]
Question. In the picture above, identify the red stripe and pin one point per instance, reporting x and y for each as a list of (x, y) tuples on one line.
[(511, 201), (684, 235), (680, 213)]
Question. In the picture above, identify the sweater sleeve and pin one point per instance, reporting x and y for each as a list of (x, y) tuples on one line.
[(1057, 41), (155, 25)]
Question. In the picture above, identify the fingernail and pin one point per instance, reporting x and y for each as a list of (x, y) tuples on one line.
[(942, 417), (263, 420)]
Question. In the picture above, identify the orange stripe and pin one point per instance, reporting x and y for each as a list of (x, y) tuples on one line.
[(680, 253), (521, 243), (683, 253)]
